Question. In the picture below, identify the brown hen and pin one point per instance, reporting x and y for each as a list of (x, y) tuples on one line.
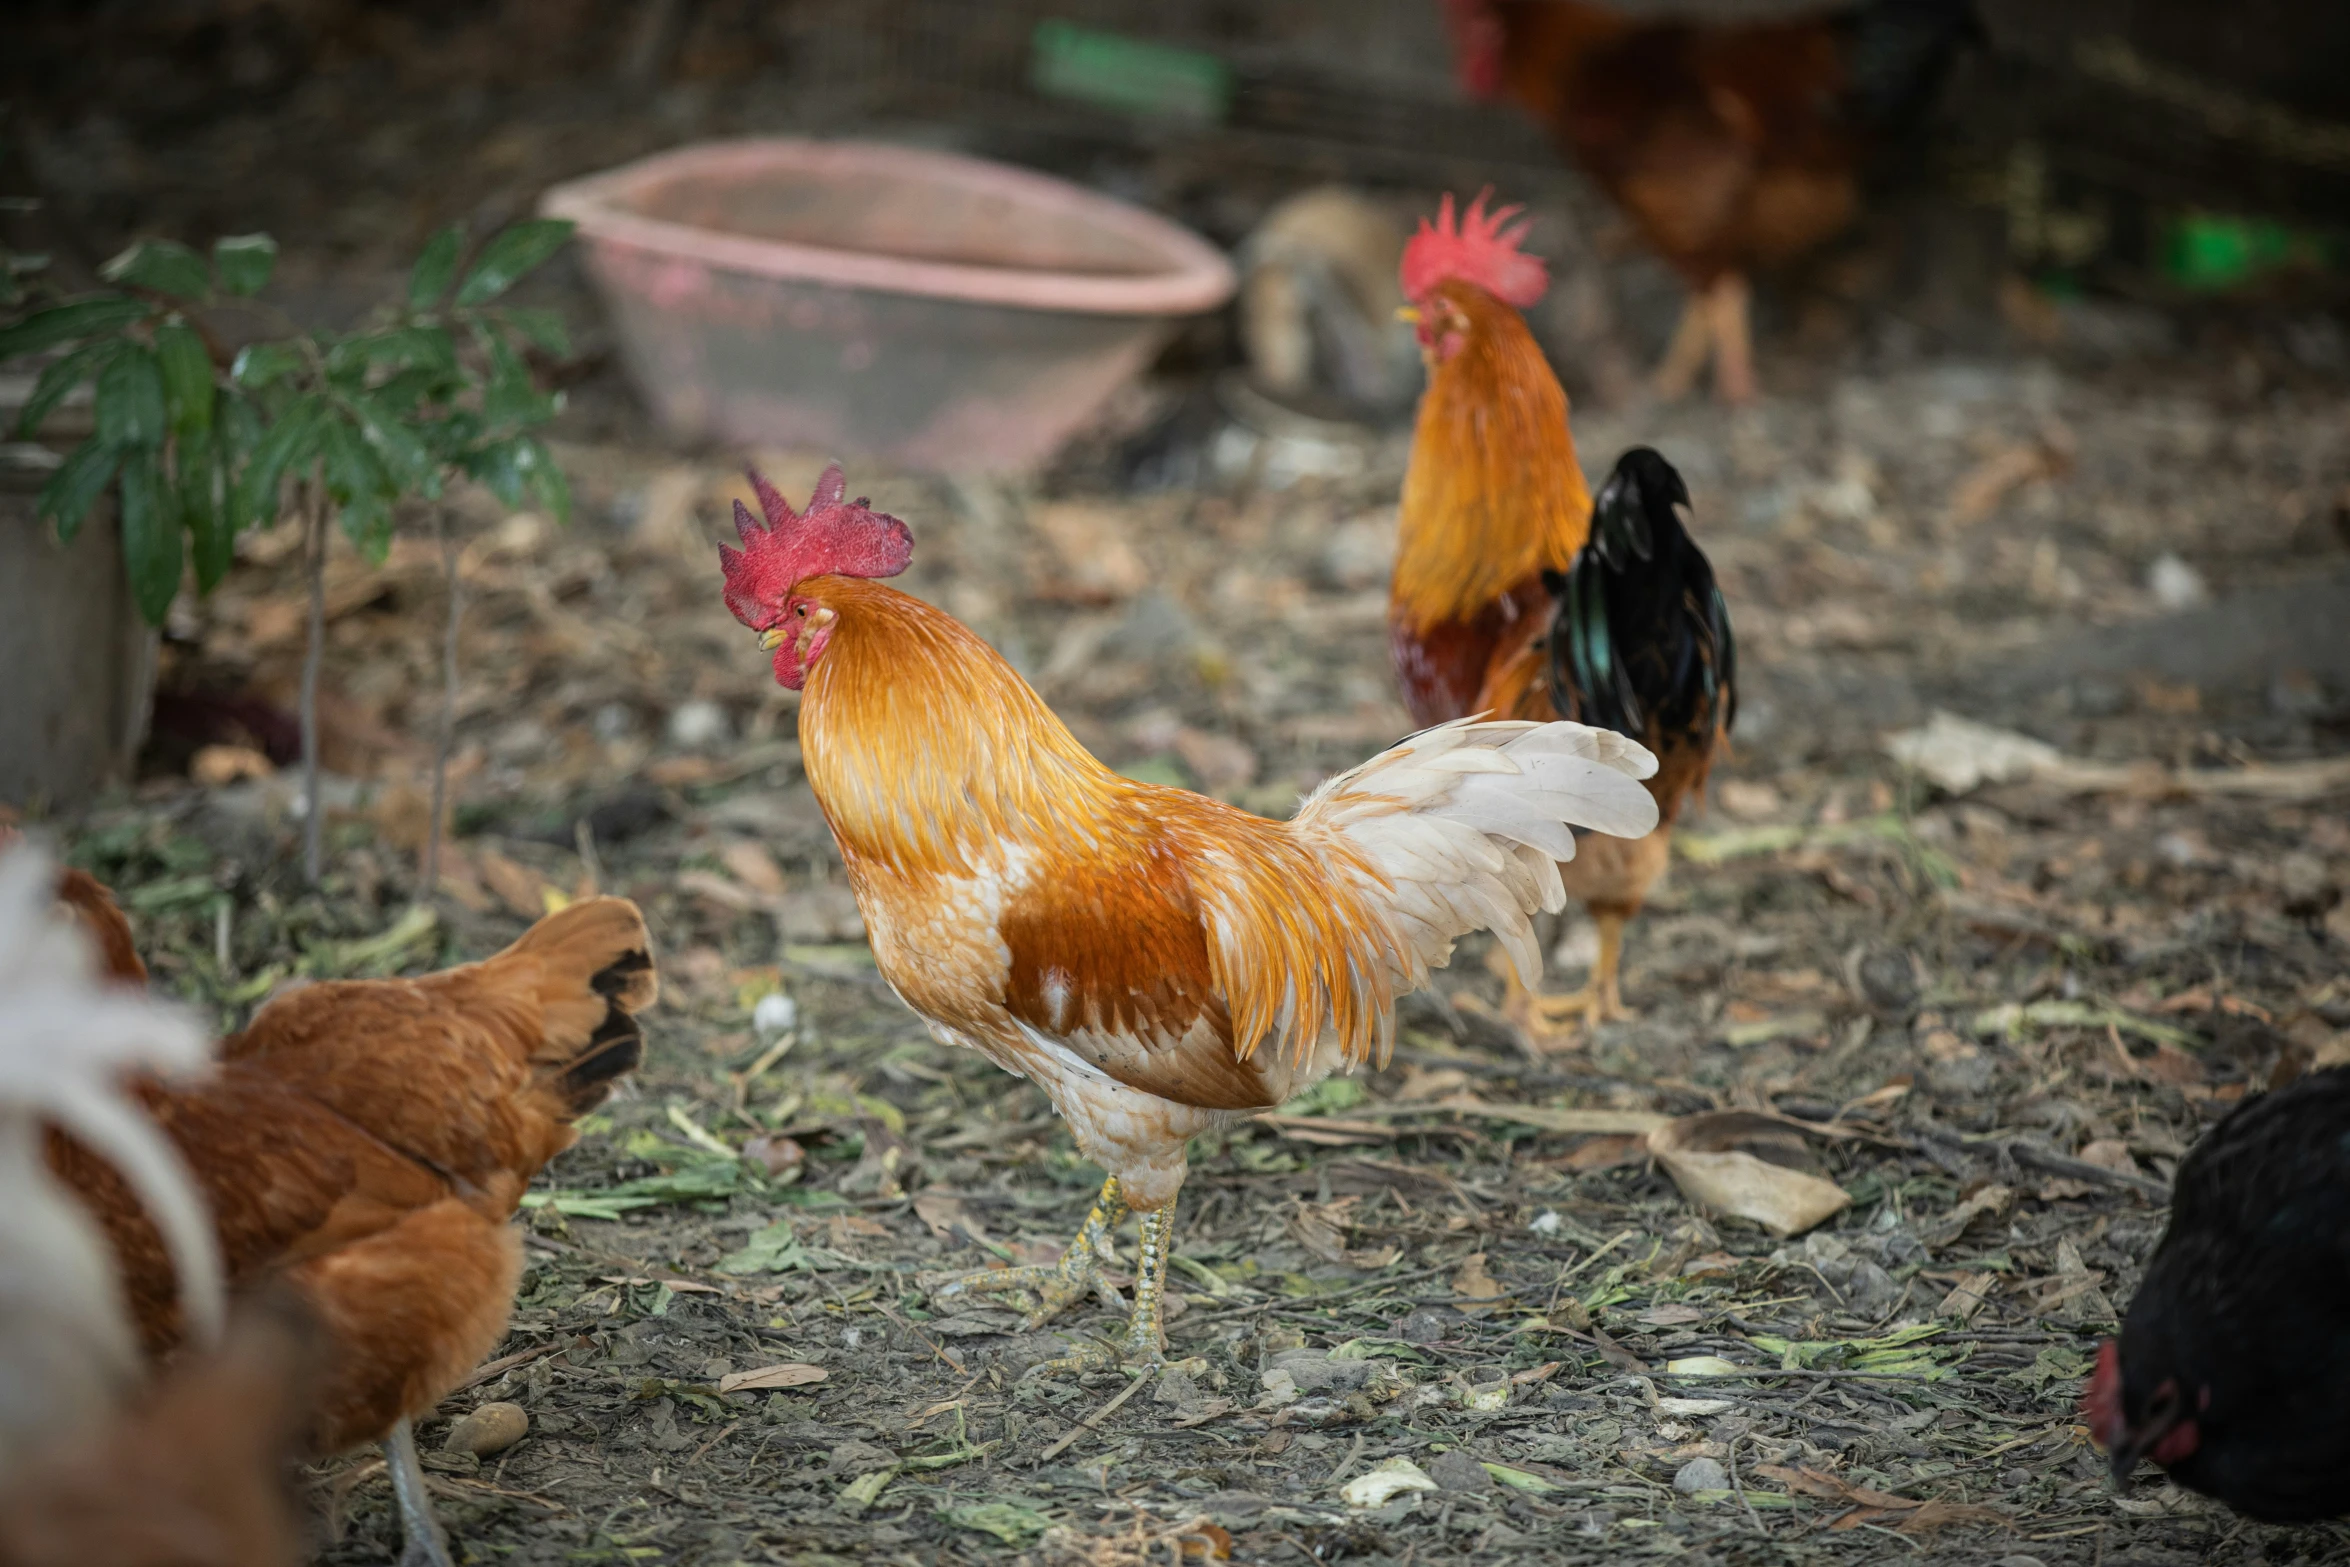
[(365, 1143)]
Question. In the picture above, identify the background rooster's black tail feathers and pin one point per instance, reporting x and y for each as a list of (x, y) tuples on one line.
[(1641, 642)]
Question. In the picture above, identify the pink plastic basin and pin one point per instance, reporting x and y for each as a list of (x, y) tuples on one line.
[(851, 297)]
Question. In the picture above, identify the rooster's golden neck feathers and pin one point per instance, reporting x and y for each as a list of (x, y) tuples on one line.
[(1493, 496)]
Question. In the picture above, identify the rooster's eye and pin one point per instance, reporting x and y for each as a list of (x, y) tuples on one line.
[(800, 610)]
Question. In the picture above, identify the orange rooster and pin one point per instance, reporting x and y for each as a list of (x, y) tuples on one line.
[(363, 1143), (1731, 146), (1495, 521), (1157, 962)]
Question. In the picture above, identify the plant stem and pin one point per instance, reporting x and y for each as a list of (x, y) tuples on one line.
[(448, 737), (313, 654)]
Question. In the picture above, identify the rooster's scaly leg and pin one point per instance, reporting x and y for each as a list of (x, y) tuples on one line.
[(1145, 1343), (1733, 339), (1550, 1022), (1049, 1291), (423, 1543), (1693, 341)]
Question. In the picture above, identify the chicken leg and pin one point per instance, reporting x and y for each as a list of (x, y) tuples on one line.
[(1546, 1020), (1051, 1290), (1714, 325), (423, 1543)]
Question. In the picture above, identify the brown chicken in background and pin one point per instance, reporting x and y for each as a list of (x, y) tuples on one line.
[(1730, 145), (364, 1143)]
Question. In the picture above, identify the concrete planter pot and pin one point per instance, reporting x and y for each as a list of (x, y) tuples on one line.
[(77, 665)]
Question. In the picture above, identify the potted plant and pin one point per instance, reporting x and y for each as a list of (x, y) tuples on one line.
[(187, 444)]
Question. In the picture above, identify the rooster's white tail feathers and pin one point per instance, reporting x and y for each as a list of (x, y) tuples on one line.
[(66, 1036), (1466, 823)]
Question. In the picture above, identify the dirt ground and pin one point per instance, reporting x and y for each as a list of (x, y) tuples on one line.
[(2021, 1003)]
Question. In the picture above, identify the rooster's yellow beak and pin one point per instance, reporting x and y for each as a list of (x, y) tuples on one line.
[(1408, 315), (772, 638)]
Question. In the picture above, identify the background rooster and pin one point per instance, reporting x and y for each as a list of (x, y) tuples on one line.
[(2233, 1367), (1494, 509), (1493, 497), (1730, 146), (1157, 962), (363, 1143)]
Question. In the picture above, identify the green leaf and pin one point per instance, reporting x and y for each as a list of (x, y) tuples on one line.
[(129, 402), (775, 1249), (292, 439), (367, 523), (511, 398), (261, 364), (196, 465), (64, 323), (361, 488), (543, 327), (243, 262), (164, 265), (239, 428), (546, 481), (1014, 1523), (75, 487), (151, 540), (505, 259), (352, 471), (428, 347), (499, 468), (429, 280), (60, 378), (403, 456), (187, 377), (404, 393)]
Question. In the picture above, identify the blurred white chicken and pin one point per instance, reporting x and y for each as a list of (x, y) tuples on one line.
[(68, 1355), (1318, 302)]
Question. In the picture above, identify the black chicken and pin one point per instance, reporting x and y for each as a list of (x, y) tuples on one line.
[(2233, 1367), (1639, 642)]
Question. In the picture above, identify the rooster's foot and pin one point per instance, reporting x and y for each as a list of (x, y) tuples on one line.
[(1145, 1341), (1044, 1292), (1130, 1351), (1591, 1006)]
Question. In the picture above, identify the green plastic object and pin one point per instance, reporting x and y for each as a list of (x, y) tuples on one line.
[(1129, 75), (2210, 253)]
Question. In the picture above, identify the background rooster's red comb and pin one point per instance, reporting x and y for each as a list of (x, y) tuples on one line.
[(1482, 248), (832, 537)]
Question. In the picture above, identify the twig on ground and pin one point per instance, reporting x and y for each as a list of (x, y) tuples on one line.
[(1230, 1312), (1094, 1420)]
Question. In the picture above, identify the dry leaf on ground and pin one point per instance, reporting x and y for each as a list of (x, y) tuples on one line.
[(1708, 1157), (790, 1373), (1477, 1290), (1907, 1514)]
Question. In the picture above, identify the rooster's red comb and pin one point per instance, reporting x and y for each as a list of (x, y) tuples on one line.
[(1481, 249), (832, 537)]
